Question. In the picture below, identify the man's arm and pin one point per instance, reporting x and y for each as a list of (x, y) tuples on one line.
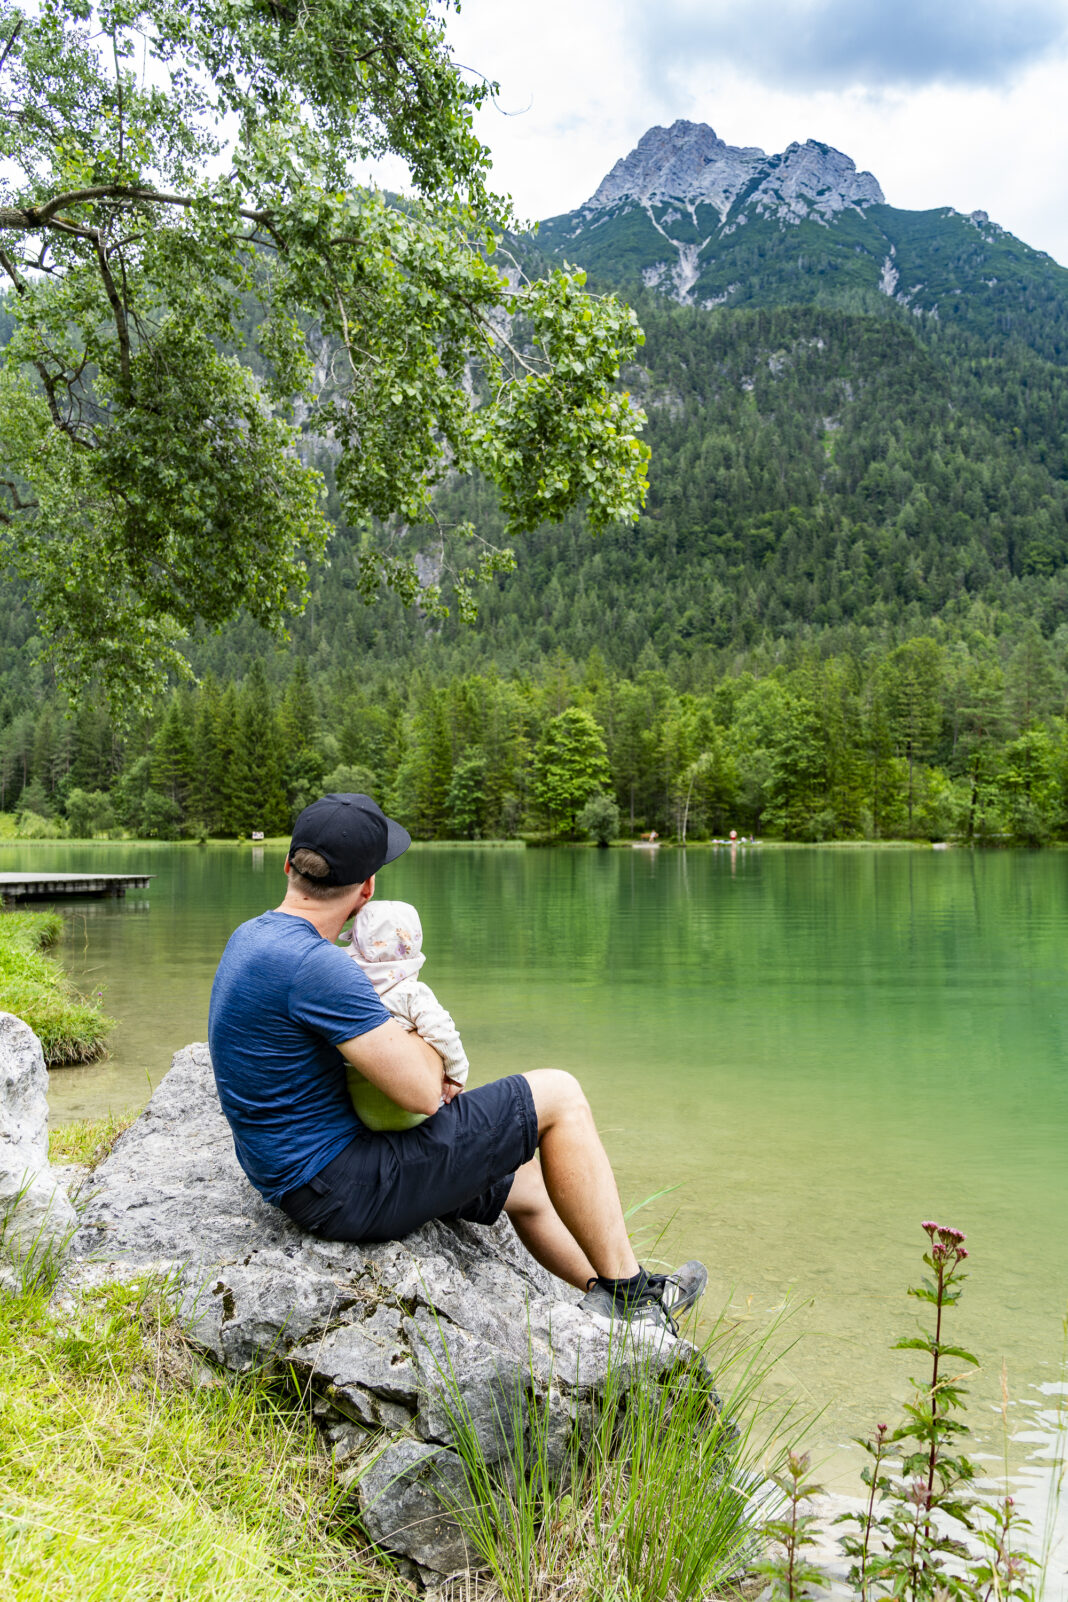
[(400, 1064)]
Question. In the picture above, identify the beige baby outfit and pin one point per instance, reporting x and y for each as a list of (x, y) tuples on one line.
[(387, 940)]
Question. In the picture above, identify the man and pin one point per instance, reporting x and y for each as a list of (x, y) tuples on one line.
[(289, 1009)]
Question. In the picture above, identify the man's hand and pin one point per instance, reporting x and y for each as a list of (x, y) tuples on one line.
[(450, 1089), (401, 1064)]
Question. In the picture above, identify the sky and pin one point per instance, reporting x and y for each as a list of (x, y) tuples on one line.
[(958, 103)]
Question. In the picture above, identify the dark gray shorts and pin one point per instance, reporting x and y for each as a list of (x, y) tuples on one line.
[(458, 1164)]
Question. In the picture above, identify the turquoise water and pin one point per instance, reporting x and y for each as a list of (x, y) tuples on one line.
[(817, 1047)]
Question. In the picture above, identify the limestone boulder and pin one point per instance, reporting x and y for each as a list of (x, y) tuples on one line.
[(399, 1346), (36, 1218)]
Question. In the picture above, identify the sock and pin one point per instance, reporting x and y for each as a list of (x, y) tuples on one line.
[(625, 1290)]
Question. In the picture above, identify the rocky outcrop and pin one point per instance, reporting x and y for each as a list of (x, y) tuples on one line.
[(399, 1346), (689, 164), (36, 1219)]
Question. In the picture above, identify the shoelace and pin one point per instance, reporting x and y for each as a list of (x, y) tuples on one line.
[(655, 1286), (652, 1291)]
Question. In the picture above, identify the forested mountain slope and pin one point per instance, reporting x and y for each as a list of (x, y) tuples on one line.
[(712, 224), (816, 476), (843, 611), (868, 436)]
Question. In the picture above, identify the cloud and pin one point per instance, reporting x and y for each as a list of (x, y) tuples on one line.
[(835, 44)]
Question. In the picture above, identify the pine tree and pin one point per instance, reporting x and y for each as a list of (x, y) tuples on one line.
[(225, 776), (301, 753), (93, 763), (426, 773), (912, 679), (205, 801), (172, 755), (258, 794)]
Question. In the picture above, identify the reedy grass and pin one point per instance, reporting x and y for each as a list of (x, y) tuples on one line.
[(660, 1498), (33, 987), (128, 1469)]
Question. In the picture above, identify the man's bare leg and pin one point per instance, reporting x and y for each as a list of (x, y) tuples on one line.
[(541, 1230), (580, 1186)]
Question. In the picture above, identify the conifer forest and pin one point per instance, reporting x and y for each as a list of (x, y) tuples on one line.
[(840, 616)]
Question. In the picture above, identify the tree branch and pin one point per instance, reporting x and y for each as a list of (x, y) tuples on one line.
[(345, 328), (25, 219), (13, 273), (490, 333), (18, 504), (11, 43), (118, 89)]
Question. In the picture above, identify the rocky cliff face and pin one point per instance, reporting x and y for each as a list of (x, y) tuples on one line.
[(690, 165)]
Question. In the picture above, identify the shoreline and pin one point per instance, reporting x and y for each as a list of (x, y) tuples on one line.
[(280, 842)]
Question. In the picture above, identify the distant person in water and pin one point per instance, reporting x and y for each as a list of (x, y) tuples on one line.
[(387, 943), (291, 1012)]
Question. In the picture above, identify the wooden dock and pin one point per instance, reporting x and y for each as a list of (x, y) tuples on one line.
[(49, 886)]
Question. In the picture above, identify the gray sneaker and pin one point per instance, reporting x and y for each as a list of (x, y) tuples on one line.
[(657, 1310)]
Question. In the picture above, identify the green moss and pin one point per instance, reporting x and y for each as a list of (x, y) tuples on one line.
[(132, 1470), (34, 988)]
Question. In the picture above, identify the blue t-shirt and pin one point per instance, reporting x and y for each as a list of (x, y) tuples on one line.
[(282, 1001)]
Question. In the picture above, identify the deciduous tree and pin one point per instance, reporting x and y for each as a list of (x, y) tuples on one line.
[(570, 766), (167, 164)]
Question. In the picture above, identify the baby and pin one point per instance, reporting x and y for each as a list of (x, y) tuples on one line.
[(387, 938)]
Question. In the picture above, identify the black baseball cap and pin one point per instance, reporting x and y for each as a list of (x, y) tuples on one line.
[(352, 835)]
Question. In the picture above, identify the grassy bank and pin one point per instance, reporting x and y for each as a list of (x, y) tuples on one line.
[(35, 988), (129, 1469)]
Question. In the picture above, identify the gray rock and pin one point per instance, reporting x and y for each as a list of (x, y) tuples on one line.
[(688, 164), (36, 1218), (680, 176), (406, 1345), (407, 1499)]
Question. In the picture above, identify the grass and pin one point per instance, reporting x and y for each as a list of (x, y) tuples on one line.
[(662, 1500), (34, 988), (131, 1468), (88, 1140), (128, 1469)]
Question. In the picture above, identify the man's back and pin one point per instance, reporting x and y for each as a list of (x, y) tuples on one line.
[(283, 1000)]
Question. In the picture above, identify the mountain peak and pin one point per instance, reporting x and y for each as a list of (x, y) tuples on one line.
[(689, 164)]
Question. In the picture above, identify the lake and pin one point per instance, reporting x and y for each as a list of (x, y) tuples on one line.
[(817, 1047)]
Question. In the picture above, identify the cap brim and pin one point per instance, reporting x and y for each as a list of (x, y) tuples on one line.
[(397, 841)]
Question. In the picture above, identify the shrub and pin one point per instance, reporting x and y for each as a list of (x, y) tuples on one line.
[(599, 819), (160, 816), (89, 812), (348, 779), (31, 826)]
